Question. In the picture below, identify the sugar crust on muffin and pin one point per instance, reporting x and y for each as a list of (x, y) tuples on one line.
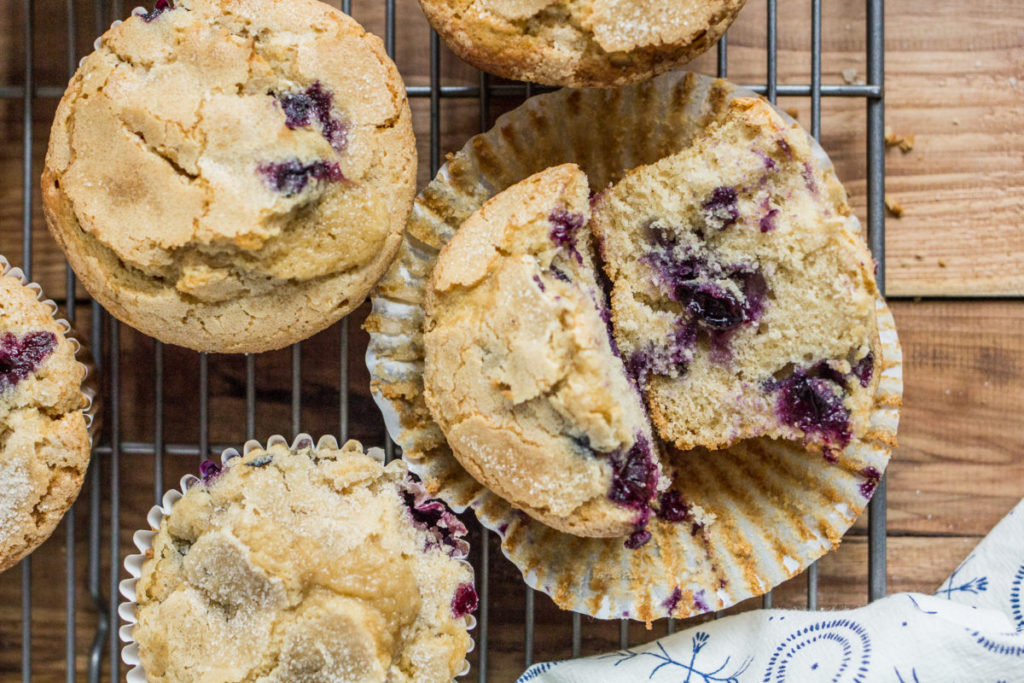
[(232, 175), (521, 371), (44, 441), (317, 564), (582, 43)]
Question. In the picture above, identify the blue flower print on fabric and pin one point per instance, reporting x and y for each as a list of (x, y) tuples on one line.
[(838, 649), (1015, 598), (695, 673), (973, 586), (536, 670)]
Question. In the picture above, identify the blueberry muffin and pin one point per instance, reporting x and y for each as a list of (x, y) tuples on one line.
[(742, 301), (522, 373), (305, 564), (232, 175), (589, 43), (44, 442)]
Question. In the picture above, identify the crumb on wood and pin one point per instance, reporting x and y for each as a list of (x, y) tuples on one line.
[(918, 257), (904, 142), (794, 112), (942, 263), (894, 207), (850, 76)]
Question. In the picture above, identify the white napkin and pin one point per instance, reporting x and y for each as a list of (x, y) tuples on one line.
[(972, 629)]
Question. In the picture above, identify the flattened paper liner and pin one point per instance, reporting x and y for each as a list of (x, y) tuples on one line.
[(143, 540), (778, 507)]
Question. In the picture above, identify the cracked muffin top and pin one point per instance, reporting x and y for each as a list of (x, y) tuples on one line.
[(305, 564), (44, 442), (580, 43), (521, 371), (232, 175)]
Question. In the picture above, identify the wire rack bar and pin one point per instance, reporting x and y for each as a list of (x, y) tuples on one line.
[(876, 240), (70, 557), (484, 568), (13, 92), (771, 91), (103, 488), (26, 246), (812, 571)]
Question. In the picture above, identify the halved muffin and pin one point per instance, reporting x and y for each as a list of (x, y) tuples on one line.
[(742, 302), (522, 373)]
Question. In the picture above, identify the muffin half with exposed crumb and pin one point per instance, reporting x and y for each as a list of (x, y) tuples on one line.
[(522, 373), (311, 563), (232, 175), (741, 301)]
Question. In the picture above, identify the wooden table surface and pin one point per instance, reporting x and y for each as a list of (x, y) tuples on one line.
[(954, 268)]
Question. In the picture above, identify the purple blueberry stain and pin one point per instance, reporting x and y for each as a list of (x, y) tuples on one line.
[(208, 471), (315, 103), (639, 365), (700, 601), (809, 181), (720, 210), (871, 478), (20, 357), (540, 283), (767, 222), (606, 318), (434, 517), (715, 307), (864, 369), (815, 406), (672, 507), (465, 601), (159, 8), (564, 225), (672, 601), (638, 538), (559, 273), (291, 177), (769, 163), (634, 476), (826, 370), (670, 359), (702, 286), (634, 484), (660, 234)]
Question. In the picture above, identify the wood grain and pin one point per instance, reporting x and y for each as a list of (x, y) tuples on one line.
[(961, 96), (960, 465)]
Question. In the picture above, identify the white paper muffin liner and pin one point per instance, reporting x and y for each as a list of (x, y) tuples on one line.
[(143, 540), (778, 507), (82, 354)]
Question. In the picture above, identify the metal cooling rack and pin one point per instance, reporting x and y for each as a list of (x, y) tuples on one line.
[(97, 516)]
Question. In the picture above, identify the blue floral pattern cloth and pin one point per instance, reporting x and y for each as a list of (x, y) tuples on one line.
[(972, 629)]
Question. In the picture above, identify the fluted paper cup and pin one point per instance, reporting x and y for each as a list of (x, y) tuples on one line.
[(777, 507), (143, 540)]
